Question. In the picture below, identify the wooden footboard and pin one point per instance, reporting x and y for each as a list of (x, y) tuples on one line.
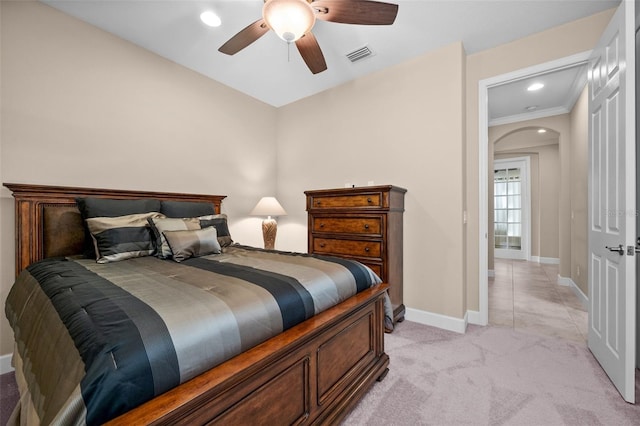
[(313, 373)]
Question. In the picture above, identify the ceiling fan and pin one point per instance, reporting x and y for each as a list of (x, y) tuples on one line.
[(292, 21)]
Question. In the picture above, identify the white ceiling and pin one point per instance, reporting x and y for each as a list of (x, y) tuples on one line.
[(512, 102), (172, 29)]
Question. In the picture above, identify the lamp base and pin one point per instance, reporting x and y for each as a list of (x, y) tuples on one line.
[(269, 229)]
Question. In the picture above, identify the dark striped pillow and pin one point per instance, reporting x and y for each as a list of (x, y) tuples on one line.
[(122, 237), (219, 221), (107, 207), (194, 243), (180, 209)]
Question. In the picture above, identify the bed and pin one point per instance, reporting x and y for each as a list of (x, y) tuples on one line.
[(312, 370)]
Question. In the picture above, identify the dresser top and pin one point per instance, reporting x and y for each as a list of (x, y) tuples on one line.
[(357, 189)]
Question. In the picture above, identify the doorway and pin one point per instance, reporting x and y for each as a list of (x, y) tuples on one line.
[(612, 198), (511, 208), (483, 155)]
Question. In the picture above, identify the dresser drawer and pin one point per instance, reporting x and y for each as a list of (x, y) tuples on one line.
[(346, 201), (348, 247), (348, 225), (362, 223), (375, 267)]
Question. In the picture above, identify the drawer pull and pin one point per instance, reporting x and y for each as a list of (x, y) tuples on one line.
[(322, 245), (366, 249), (322, 225), (366, 226), (369, 200), (318, 203)]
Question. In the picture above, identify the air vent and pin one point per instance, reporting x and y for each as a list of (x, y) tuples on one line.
[(356, 55)]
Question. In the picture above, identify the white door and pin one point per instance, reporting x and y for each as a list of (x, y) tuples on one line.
[(511, 207), (612, 207)]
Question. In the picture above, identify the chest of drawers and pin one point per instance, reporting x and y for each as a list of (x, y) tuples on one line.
[(364, 224)]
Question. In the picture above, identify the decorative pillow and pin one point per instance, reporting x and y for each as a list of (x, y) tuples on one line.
[(179, 209), (160, 225), (195, 243), (219, 221), (123, 237), (107, 207)]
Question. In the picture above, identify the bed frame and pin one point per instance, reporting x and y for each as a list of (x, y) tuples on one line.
[(313, 373)]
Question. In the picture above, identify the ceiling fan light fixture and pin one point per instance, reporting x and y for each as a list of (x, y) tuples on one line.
[(289, 19)]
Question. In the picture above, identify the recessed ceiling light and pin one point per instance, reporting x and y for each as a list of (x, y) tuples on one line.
[(532, 108), (210, 18), (535, 86), (542, 131)]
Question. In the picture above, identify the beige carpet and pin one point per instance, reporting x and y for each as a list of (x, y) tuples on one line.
[(490, 376)]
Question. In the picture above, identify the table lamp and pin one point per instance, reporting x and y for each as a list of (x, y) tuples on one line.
[(268, 206)]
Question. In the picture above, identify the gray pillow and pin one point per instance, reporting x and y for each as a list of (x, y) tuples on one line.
[(162, 224), (194, 243)]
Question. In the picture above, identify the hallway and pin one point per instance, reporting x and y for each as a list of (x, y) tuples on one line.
[(525, 296)]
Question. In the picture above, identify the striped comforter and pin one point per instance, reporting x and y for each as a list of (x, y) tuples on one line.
[(94, 341)]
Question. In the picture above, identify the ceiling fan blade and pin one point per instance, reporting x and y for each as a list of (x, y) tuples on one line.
[(245, 37), (362, 12), (311, 53)]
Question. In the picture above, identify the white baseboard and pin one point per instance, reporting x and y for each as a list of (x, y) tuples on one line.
[(547, 260), (580, 295), (459, 325), (491, 273), (568, 282), (5, 364), (473, 317)]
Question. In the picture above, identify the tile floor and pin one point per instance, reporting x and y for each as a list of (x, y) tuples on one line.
[(526, 296)]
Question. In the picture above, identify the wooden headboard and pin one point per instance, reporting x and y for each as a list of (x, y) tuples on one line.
[(48, 222)]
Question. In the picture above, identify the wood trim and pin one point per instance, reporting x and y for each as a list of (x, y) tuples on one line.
[(29, 191), (31, 199)]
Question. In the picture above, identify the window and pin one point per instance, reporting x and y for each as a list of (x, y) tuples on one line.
[(507, 209), (510, 208)]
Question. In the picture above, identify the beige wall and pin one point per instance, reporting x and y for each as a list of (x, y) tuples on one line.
[(545, 174), (110, 114), (555, 43), (579, 191), (82, 107), (402, 126)]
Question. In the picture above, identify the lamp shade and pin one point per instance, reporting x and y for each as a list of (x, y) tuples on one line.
[(268, 206), (289, 19)]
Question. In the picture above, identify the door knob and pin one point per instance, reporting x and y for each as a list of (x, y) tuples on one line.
[(619, 249)]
